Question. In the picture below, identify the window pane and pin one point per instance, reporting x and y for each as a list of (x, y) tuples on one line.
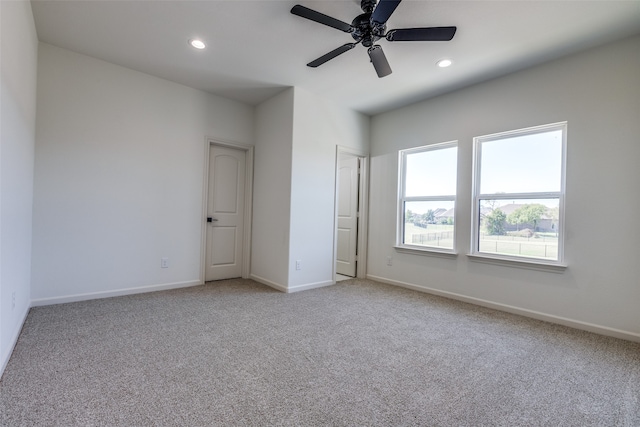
[(522, 164), (527, 228), (429, 224), (431, 173)]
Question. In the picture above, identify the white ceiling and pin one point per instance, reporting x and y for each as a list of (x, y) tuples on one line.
[(257, 48)]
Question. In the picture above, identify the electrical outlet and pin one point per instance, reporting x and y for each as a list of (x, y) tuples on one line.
[(298, 265), (13, 300), (164, 262), (389, 260)]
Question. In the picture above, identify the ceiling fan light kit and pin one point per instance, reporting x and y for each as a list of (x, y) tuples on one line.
[(369, 27)]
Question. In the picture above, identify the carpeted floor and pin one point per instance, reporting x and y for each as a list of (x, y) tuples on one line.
[(358, 353)]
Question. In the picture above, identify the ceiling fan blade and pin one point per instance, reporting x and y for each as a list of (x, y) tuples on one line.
[(379, 61), (329, 56), (421, 34), (321, 18), (383, 11)]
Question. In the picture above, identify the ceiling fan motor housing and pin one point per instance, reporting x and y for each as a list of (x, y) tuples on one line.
[(365, 30)]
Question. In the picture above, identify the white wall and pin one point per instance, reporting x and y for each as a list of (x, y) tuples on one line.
[(17, 136), (297, 133), (598, 93), (319, 127), (272, 190), (119, 176)]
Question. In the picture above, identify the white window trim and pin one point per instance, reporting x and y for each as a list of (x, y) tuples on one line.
[(419, 249), (518, 261)]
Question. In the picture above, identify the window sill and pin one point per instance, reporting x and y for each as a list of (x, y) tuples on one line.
[(442, 253), (531, 264)]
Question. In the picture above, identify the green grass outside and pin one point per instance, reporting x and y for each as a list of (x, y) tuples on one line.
[(434, 235), (539, 238), (531, 248), (544, 246)]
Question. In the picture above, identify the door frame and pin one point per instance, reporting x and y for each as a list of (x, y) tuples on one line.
[(248, 199), (363, 204)]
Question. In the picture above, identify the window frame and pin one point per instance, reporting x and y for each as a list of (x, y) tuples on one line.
[(402, 199), (518, 260)]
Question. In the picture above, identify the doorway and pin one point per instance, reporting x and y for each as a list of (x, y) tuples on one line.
[(227, 211), (350, 233)]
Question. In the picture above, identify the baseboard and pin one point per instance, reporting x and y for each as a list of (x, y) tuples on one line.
[(290, 289), (308, 286), (14, 340), (576, 324), (274, 285), (115, 293)]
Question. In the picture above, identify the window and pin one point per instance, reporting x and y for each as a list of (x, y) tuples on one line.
[(426, 209), (519, 194)]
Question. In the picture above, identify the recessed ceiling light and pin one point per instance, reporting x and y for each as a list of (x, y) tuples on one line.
[(443, 63), (198, 44)]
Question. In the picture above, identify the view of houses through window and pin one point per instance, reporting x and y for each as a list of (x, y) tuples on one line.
[(519, 188), (518, 194), (429, 223), (427, 203), (520, 227)]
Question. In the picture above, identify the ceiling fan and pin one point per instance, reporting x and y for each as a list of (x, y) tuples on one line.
[(370, 27)]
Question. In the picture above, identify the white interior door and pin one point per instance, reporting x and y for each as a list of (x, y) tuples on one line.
[(347, 215), (225, 213)]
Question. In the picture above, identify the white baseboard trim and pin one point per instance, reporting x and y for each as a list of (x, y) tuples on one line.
[(576, 324), (116, 293), (14, 340), (290, 289), (274, 285), (308, 286)]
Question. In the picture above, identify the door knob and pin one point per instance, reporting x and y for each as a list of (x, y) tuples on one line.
[(209, 219)]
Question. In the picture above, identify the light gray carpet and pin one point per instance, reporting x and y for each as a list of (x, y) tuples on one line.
[(357, 353)]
